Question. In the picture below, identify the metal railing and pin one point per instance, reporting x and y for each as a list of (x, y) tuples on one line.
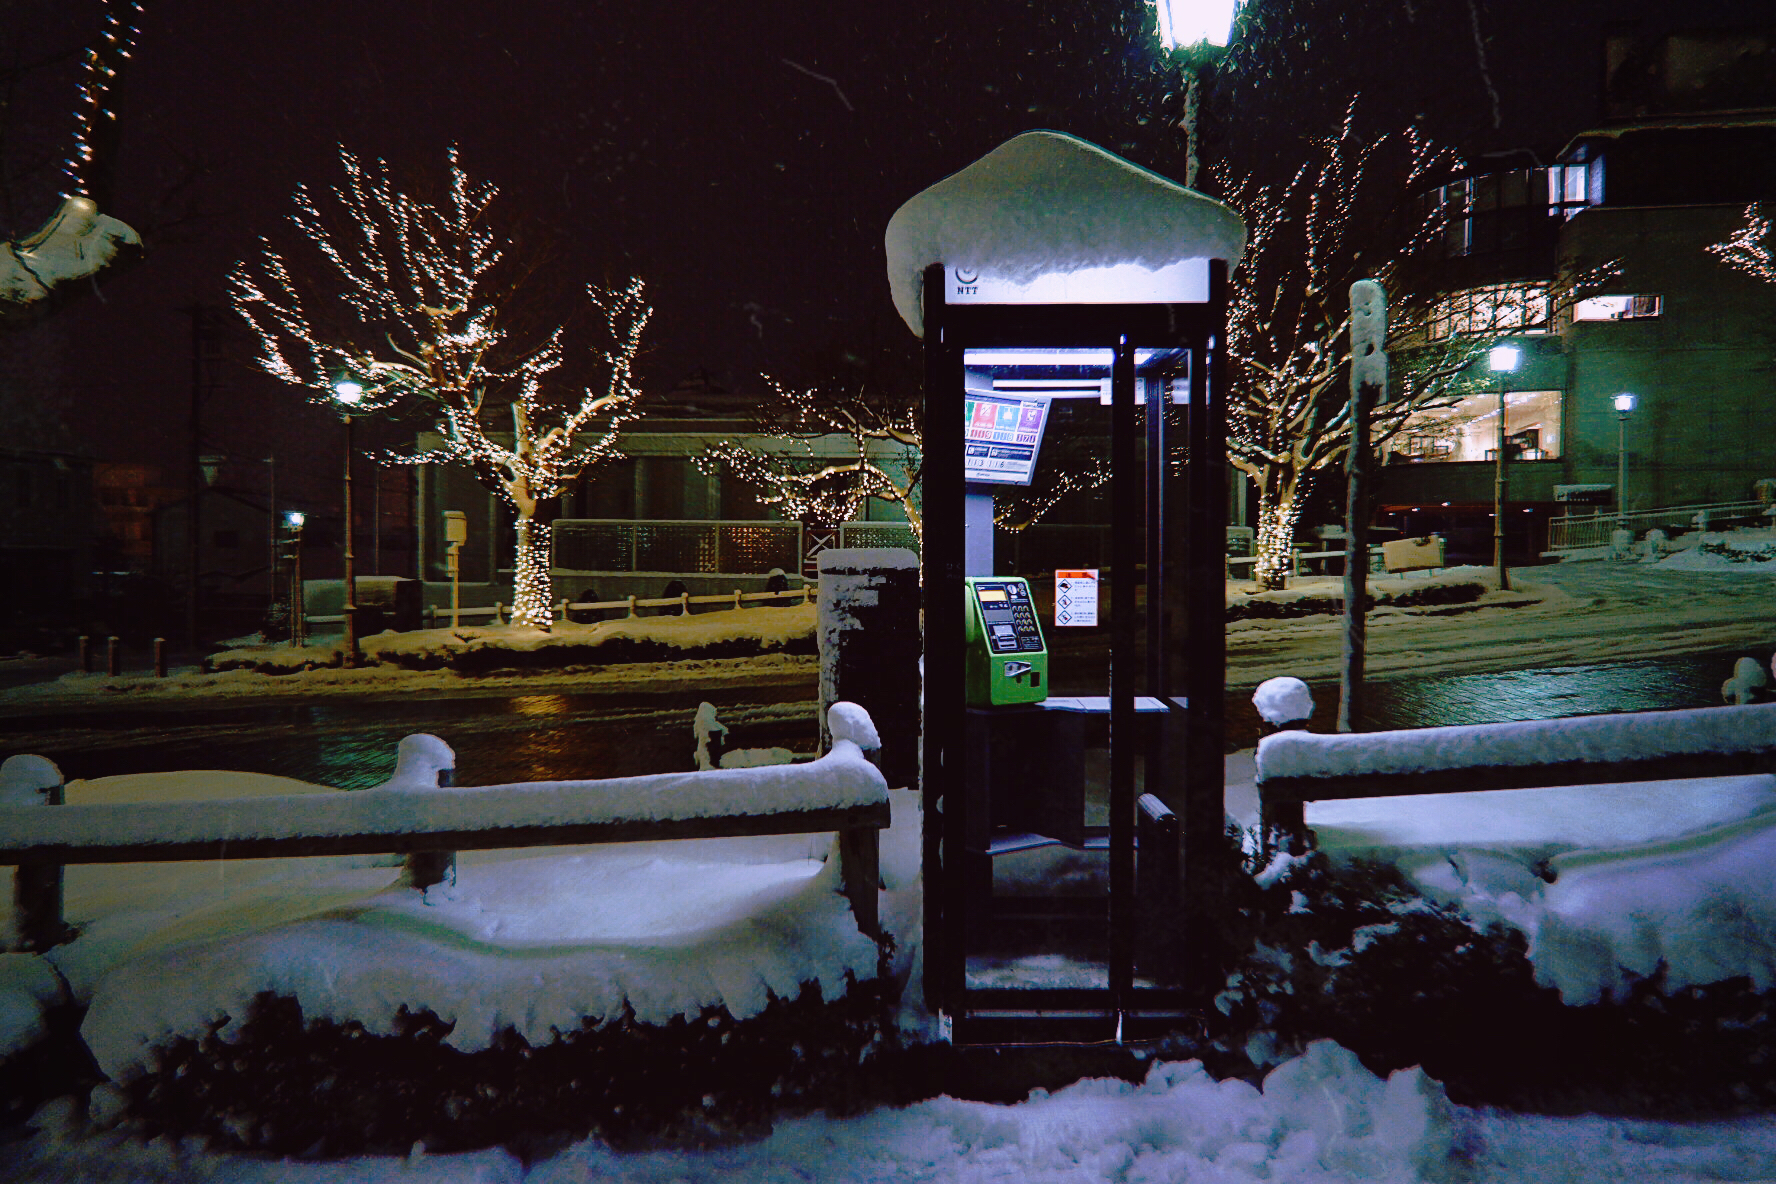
[(1594, 530), (680, 547), (686, 547)]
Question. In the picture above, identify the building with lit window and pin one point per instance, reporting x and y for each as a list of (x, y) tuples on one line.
[(1598, 266)]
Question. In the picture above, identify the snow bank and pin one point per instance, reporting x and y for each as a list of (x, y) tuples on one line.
[(767, 628), (1639, 736), (539, 945), (1702, 905), (1318, 1119), (1667, 872), (1049, 205), (29, 987), (1743, 552)]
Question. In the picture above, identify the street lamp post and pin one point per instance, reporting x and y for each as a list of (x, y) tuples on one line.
[(1503, 360), (298, 607), (1200, 28), (348, 394), (1624, 408)]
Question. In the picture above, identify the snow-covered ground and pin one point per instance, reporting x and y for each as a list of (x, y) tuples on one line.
[(1555, 614), (1674, 870), (1319, 1117), (1641, 871)]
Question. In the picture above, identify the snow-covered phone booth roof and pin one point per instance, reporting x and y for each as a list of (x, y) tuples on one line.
[(1049, 218)]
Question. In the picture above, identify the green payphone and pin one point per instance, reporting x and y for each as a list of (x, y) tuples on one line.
[(1007, 659)]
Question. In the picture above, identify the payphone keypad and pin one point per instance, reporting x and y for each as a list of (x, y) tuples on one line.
[(1008, 617)]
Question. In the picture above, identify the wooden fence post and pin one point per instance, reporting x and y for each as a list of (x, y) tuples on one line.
[(36, 887), (113, 656), (860, 867), (422, 869), (160, 657)]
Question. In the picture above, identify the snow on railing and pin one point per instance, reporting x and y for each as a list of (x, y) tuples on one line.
[(1574, 531), (500, 612), (418, 812), (1298, 767)]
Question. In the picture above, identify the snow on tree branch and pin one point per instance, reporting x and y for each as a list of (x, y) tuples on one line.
[(77, 242)]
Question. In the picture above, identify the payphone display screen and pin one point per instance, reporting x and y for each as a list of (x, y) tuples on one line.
[(1002, 434), (1008, 619)]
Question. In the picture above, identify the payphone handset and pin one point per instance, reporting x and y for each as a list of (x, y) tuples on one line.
[(1007, 658)]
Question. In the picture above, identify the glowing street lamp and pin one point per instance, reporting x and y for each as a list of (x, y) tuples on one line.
[(1200, 28), (1193, 22), (1503, 360), (298, 609), (349, 394), (1624, 408)]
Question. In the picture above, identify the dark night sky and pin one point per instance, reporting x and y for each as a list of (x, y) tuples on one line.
[(689, 143)]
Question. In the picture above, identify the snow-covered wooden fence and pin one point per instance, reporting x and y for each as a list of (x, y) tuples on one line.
[(498, 613), (418, 814), (1295, 768)]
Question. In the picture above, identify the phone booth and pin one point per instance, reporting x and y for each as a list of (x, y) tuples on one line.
[(1072, 307)]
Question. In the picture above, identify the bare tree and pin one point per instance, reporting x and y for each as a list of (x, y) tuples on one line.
[(818, 453), (407, 299), (1351, 211)]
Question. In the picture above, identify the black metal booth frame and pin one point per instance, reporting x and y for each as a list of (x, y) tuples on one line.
[(1182, 665)]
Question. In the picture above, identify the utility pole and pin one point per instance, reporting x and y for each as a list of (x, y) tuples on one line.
[(194, 483), (1368, 386)]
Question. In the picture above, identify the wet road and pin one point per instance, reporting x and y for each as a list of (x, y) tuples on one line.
[(532, 737), (1550, 692)]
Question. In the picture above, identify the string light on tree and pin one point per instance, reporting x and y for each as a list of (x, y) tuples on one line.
[(405, 299), (1352, 210), (818, 454), (98, 74), (1752, 247)]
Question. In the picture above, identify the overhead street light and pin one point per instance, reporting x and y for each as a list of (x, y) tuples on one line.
[(1192, 22)]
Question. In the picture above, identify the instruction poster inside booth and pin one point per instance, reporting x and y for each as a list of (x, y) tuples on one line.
[(1076, 597)]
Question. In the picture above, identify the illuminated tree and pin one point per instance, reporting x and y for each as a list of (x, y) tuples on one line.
[(1351, 211), (406, 298), (1752, 247), (819, 453)]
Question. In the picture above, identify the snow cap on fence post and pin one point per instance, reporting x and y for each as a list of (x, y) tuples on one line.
[(422, 762), (848, 721), (29, 781), (1284, 702)]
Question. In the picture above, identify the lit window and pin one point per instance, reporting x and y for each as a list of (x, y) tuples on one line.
[(1567, 190), (1499, 308), (1468, 430), (1618, 308)]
